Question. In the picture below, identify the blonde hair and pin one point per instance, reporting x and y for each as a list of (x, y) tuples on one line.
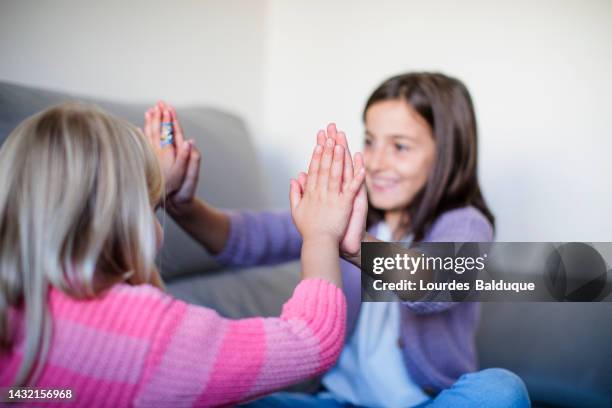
[(76, 195)]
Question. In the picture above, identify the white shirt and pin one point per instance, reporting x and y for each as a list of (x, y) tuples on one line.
[(371, 370)]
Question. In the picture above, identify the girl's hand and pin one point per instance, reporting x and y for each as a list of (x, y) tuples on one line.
[(173, 157), (350, 246), (321, 208), (184, 197)]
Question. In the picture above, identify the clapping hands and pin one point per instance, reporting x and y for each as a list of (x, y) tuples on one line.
[(330, 200), (179, 160)]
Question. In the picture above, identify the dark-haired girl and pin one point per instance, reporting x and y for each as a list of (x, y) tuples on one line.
[(421, 158)]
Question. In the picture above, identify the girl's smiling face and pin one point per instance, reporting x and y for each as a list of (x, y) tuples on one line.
[(399, 154)]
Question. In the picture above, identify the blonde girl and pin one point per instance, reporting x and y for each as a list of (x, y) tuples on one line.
[(81, 303)]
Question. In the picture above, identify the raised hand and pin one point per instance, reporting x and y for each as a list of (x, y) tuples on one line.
[(173, 157), (185, 195), (355, 232), (350, 246), (322, 201)]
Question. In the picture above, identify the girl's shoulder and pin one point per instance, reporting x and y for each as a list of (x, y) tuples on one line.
[(117, 293), (463, 224), (128, 304)]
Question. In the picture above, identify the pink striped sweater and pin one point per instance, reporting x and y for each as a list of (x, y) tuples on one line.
[(137, 346)]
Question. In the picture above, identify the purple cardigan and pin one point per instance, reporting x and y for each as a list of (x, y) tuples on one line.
[(437, 339)]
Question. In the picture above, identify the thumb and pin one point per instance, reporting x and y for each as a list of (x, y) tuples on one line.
[(357, 184), (294, 194), (362, 194)]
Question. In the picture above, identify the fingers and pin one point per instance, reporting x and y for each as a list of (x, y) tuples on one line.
[(340, 138), (359, 175), (326, 162), (335, 174), (193, 171), (362, 193), (182, 158), (190, 182), (359, 164), (331, 167), (148, 130), (315, 161), (347, 175), (167, 115), (321, 137), (332, 131), (156, 124), (178, 130), (302, 179), (313, 168), (183, 148), (294, 193)]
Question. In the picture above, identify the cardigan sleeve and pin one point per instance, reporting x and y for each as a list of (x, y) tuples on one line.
[(260, 238), (460, 225), (199, 358)]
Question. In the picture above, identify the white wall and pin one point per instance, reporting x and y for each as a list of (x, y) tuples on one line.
[(190, 51), (538, 72)]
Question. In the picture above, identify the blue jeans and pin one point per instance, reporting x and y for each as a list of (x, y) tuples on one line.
[(493, 387)]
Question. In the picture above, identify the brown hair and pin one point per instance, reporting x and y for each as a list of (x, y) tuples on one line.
[(445, 103)]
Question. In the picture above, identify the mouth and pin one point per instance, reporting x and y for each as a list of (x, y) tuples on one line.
[(381, 184)]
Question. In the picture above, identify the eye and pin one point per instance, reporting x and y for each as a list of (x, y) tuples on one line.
[(368, 142), (401, 147)]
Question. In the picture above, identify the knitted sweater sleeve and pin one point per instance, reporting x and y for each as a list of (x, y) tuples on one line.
[(260, 238), (461, 225), (199, 358)]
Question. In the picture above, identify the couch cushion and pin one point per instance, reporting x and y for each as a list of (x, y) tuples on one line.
[(563, 351)]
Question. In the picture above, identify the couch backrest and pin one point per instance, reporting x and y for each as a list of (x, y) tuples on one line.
[(230, 175)]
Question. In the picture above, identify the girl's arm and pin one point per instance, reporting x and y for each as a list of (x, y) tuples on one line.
[(206, 224), (321, 208), (355, 233), (236, 238), (180, 165), (242, 238), (201, 359)]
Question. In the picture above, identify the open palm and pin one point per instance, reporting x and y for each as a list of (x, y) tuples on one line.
[(351, 242)]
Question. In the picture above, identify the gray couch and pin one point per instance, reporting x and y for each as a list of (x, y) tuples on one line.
[(563, 351)]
